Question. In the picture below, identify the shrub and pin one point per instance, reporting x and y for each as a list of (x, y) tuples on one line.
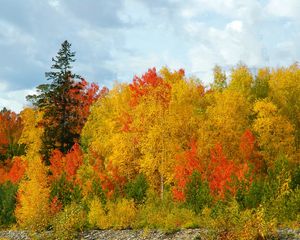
[(164, 214), (295, 182), (252, 197), (67, 223), (121, 214), (232, 223), (65, 191), (137, 188), (179, 218), (97, 216), (7, 203), (197, 193)]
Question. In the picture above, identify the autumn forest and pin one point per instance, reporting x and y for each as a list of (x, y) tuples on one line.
[(163, 151)]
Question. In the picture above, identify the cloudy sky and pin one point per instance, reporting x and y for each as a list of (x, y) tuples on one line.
[(116, 39)]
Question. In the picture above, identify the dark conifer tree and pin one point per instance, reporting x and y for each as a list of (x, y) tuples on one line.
[(58, 105)]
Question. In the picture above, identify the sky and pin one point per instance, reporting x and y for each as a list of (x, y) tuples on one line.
[(117, 39)]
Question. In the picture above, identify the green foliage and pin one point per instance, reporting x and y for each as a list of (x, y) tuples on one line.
[(260, 88), (277, 175), (7, 203), (295, 181), (59, 117), (98, 191), (69, 222), (65, 191), (197, 193), (137, 188), (253, 196)]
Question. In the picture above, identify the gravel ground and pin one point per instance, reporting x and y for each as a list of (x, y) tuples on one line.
[(193, 234)]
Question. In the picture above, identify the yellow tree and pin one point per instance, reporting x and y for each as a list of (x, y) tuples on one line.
[(224, 122), (285, 93), (219, 82), (275, 132), (241, 80), (32, 131), (32, 211)]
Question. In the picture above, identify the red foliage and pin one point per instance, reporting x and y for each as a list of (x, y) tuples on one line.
[(10, 129), (12, 170), (17, 170), (3, 175), (108, 175), (73, 160), (150, 83), (187, 163), (68, 164), (248, 151), (55, 206), (247, 145), (85, 95), (222, 172), (125, 121), (106, 181), (56, 164)]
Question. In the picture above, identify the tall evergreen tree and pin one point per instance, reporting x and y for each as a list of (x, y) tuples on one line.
[(58, 104)]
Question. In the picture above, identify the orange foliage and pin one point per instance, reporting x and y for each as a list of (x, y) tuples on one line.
[(125, 121), (187, 163), (56, 164), (222, 172), (73, 160), (68, 164), (85, 95), (55, 206), (247, 145), (146, 85), (12, 170), (3, 175), (109, 176), (17, 170), (10, 129)]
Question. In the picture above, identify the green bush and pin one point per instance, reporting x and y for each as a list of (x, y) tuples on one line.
[(137, 188), (66, 191), (8, 193), (295, 182), (197, 193), (252, 197)]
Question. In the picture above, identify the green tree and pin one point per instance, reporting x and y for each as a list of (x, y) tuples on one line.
[(58, 103)]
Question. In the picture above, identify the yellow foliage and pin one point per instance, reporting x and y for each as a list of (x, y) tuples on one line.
[(121, 214), (224, 123), (68, 222), (285, 92), (32, 131), (241, 80), (235, 224), (275, 132), (32, 211), (97, 216)]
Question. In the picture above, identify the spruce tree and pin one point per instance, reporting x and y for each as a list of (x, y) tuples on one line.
[(58, 105)]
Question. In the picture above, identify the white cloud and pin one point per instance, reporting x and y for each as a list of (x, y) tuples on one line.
[(235, 26), (14, 100), (287, 8)]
